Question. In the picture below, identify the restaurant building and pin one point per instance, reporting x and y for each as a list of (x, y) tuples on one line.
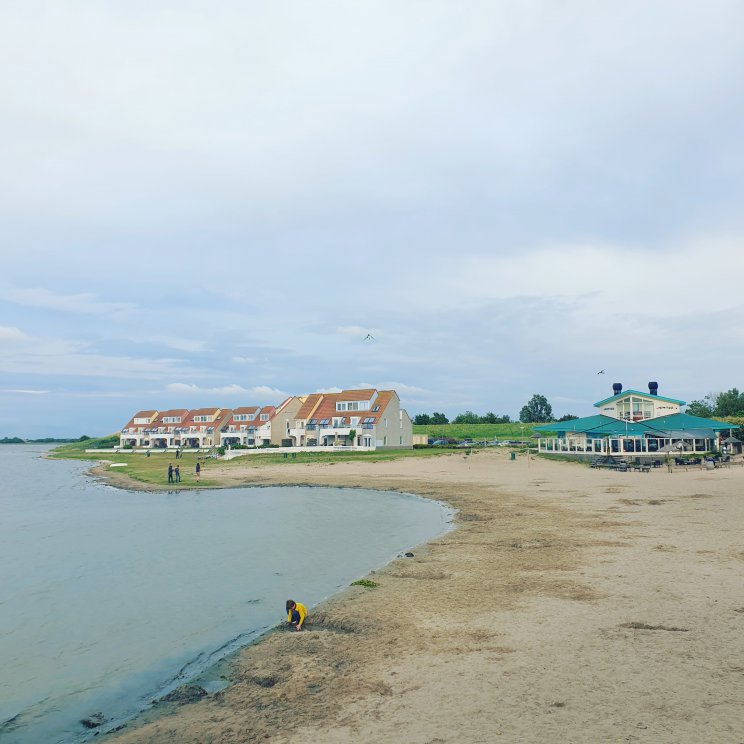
[(635, 423)]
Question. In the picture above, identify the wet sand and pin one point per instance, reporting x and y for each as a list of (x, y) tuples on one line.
[(569, 605)]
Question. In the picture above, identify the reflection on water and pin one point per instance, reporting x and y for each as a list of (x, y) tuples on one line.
[(110, 597)]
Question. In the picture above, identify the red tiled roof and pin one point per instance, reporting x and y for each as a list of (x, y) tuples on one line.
[(307, 407), (140, 414), (245, 409), (182, 412), (356, 394)]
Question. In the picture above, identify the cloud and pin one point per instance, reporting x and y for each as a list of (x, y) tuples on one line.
[(355, 331), (244, 360), (11, 333), (259, 391), (85, 302), (20, 391), (401, 388)]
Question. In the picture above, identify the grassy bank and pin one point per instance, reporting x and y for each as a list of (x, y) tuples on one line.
[(475, 431), (153, 470)]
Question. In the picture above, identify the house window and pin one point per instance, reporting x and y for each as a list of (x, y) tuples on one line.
[(264, 417), (369, 420), (172, 420), (355, 420), (338, 421), (353, 405), (241, 417), (201, 419), (375, 409)]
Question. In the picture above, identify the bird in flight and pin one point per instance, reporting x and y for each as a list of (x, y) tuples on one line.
[(601, 372), (369, 337)]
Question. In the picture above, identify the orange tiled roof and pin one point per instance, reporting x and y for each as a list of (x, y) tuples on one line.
[(245, 409), (367, 394), (309, 405)]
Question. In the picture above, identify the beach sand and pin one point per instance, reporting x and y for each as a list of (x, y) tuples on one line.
[(569, 605)]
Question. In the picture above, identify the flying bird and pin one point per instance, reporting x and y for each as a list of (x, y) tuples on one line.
[(601, 372), (369, 337)]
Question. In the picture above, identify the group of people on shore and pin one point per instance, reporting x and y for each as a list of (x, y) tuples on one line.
[(174, 474)]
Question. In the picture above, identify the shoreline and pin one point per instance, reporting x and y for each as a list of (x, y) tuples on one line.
[(516, 622)]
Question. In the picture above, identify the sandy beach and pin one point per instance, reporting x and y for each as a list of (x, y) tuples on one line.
[(569, 605)]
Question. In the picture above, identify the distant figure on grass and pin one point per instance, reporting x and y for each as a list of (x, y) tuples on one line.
[(198, 470), (170, 472), (296, 614), (177, 472)]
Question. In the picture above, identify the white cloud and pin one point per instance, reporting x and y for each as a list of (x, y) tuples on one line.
[(20, 391), (11, 333), (401, 388), (244, 360), (85, 302), (259, 391), (355, 331)]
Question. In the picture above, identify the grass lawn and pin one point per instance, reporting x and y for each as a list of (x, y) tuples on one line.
[(475, 431), (154, 469)]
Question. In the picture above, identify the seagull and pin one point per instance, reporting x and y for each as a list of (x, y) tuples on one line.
[(369, 337), (601, 372)]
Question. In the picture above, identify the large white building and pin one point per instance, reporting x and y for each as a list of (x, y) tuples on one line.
[(368, 419), (635, 422)]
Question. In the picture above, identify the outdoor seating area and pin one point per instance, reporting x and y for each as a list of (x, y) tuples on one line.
[(692, 461), (609, 462)]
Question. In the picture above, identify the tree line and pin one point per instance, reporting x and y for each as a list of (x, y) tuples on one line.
[(437, 419), (730, 403), (536, 410)]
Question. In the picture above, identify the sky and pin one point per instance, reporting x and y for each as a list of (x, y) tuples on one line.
[(214, 204)]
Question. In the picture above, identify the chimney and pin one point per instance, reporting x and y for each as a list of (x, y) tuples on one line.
[(653, 388), (617, 388)]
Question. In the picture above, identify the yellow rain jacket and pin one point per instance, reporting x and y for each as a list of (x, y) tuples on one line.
[(298, 608)]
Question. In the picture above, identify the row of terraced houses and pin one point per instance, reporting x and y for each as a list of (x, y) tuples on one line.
[(370, 419)]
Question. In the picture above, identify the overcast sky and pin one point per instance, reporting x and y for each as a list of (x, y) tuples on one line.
[(214, 203)]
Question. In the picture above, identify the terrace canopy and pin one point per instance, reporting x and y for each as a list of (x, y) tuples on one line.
[(604, 434)]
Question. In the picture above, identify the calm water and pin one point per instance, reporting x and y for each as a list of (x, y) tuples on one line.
[(109, 598)]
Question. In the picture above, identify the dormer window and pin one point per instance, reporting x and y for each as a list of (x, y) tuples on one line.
[(352, 405), (264, 417)]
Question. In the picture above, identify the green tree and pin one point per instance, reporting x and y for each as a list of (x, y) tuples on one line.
[(438, 419), (702, 407), (537, 410), (467, 418), (730, 403), (567, 417), (422, 419)]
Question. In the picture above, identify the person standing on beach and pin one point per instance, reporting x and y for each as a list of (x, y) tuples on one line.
[(170, 472), (198, 471), (296, 614), (177, 471)]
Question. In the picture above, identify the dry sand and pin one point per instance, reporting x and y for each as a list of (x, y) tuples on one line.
[(570, 605)]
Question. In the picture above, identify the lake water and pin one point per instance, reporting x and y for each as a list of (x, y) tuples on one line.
[(110, 598)]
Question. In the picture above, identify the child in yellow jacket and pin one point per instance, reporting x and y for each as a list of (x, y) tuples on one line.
[(296, 614)]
